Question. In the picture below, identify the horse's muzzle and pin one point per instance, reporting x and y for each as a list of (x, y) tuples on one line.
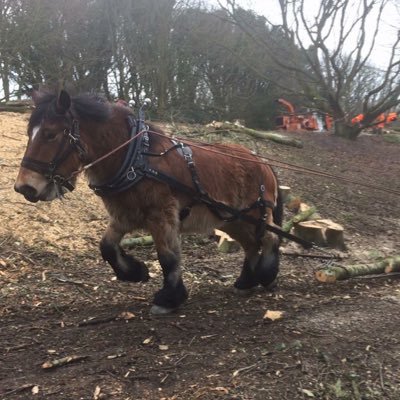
[(29, 192)]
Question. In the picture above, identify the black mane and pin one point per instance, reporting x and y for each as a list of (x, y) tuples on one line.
[(86, 106)]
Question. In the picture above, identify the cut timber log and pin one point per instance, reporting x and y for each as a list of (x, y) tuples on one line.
[(302, 216), (285, 192), (393, 265), (274, 137), (137, 241), (339, 272), (226, 244), (322, 232), (293, 203)]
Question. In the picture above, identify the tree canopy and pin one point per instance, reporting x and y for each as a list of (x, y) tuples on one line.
[(199, 63), (329, 57)]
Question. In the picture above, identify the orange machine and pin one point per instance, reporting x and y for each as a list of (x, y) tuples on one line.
[(380, 121), (302, 121)]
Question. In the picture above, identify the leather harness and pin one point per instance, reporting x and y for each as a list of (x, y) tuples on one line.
[(135, 167)]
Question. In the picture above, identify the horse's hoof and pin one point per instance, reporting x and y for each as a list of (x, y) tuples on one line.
[(244, 292), (271, 286), (159, 310)]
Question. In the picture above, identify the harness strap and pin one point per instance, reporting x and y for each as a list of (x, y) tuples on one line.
[(218, 207)]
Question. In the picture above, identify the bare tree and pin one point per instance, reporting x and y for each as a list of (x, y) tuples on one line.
[(335, 40)]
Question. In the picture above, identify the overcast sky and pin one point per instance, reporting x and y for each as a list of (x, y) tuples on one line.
[(387, 33)]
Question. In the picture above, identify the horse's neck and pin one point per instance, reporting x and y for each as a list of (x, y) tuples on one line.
[(101, 139)]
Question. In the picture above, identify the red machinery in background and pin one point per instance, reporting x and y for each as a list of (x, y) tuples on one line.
[(302, 121), (318, 121), (380, 121)]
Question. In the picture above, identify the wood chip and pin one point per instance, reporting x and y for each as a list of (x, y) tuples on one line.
[(126, 315), (148, 340), (97, 392), (273, 315)]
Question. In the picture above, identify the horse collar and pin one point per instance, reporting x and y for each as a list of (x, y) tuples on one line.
[(134, 165)]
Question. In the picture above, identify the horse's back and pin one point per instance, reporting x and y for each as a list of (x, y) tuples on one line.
[(233, 174)]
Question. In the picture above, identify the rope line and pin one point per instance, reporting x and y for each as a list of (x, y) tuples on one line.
[(280, 164)]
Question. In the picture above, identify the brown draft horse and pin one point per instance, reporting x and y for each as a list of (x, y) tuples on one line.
[(66, 133)]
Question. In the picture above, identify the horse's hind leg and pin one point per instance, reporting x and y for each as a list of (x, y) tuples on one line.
[(173, 293), (126, 267), (261, 263), (247, 278), (267, 267), (244, 234)]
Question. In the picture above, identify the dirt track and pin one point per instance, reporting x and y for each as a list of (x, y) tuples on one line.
[(58, 298)]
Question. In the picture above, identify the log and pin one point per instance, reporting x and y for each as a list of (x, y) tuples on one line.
[(285, 192), (293, 203), (226, 244), (302, 216), (274, 137), (339, 272), (393, 265), (322, 232), (137, 241)]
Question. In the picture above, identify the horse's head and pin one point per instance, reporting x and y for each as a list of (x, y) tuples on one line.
[(54, 151)]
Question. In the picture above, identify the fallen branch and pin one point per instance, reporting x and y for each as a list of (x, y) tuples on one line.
[(274, 137), (97, 321), (306, 255), (340, 272), (18, 390), (126, 315), (62, 361)]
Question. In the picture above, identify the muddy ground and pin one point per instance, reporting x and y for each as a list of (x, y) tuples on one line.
[(59, 299)]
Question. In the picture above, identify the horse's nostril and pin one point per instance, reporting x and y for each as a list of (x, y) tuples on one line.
[(26, 190)]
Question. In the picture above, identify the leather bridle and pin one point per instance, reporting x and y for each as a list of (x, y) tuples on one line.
[(71, 142)]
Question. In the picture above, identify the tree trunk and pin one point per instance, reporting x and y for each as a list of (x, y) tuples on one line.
[(347, 131), (322, 232), (5, 77)]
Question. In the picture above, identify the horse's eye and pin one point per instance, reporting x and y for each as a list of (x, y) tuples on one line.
[(50, 136)]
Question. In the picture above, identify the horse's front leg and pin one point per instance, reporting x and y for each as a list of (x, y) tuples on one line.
[(167, 242), (126, 267)]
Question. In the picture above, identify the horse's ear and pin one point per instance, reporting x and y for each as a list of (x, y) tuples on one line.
[(63, 102)]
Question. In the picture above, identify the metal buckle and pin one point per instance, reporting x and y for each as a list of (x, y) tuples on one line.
[(131, 174)]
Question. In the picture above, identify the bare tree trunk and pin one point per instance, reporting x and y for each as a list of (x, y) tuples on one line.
[(6, 81), (347, 131)]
